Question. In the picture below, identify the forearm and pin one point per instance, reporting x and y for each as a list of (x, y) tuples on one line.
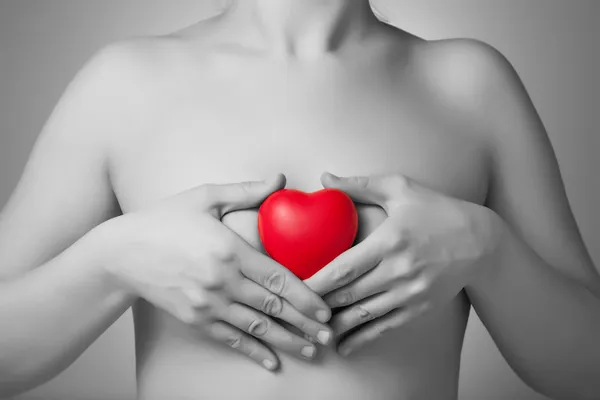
[(546, 324), (53, 313)]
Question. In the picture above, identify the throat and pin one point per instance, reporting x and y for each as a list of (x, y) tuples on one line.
[(304, 28)]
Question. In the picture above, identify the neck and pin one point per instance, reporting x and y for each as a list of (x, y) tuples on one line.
[(305, 27)]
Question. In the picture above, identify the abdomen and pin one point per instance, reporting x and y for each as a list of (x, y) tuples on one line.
[(419, 361)]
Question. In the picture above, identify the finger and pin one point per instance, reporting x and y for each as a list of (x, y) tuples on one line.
[(388, 273), (279, 280), (363, 312), (401, 296), (267, 330), (270, 304), (374, 329), (346, 267), (373, 189), (245, 344), (369, 284), (225, 198)]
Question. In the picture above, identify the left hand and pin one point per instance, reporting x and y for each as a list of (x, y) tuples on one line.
[(427, 250)]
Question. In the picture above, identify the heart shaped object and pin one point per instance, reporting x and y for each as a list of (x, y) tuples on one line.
[(305, 231)]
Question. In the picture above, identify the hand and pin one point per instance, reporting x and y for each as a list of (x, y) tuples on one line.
[(427, 250), (180, 257)]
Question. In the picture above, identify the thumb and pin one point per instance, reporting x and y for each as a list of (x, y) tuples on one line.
[(230, 197), (373, 189)]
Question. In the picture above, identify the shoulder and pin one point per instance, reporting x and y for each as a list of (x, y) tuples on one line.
[(143, 66), (465, 72), (464, 51), (118, 82), (109, 95), (126, 66)]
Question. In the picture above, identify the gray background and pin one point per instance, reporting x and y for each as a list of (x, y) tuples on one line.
[(552, 44)]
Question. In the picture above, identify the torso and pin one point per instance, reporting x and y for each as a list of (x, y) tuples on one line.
[(230, 116)]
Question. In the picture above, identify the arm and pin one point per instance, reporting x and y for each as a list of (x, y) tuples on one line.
[(522, 262), (52, 292), (68, 269), (540, 300)]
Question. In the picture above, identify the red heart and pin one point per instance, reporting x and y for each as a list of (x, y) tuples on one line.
[(306, 231)]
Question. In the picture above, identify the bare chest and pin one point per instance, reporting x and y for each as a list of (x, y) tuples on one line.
[(253, 129), (250, 133)]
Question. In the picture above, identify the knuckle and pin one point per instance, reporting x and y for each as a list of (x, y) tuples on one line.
[(248, 187), (235, 341), (197, 299), (252, 350), (410, 256), (343, 274), (419, 287), (190, 316), (363, 313), (397, 186), (383, 328), (276, 283), (402, 267), (212, 278), (398, 239), (223, 251), (258, 327), (360, 181), (344, 298), (272, 305), (305, 326), (205, 196), (370, 335), (399, 269), (388, 241), (398, 182)]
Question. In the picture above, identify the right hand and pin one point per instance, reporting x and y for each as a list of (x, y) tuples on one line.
[(180, 257)]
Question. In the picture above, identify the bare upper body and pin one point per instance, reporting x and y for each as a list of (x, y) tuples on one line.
[(212, 104), (228, 115)]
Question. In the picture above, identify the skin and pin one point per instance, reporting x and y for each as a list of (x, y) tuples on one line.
[(148, 124), (432, 246)]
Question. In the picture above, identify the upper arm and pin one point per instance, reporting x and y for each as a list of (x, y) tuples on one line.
[(65, 188), (526, 188)]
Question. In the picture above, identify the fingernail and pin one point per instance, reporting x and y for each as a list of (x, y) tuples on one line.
[(323, 337), (268, 364), (335, 177), (322, 316), (308, 351)]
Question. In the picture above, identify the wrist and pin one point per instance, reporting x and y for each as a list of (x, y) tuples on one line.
[(101, 245), (494, 235)]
